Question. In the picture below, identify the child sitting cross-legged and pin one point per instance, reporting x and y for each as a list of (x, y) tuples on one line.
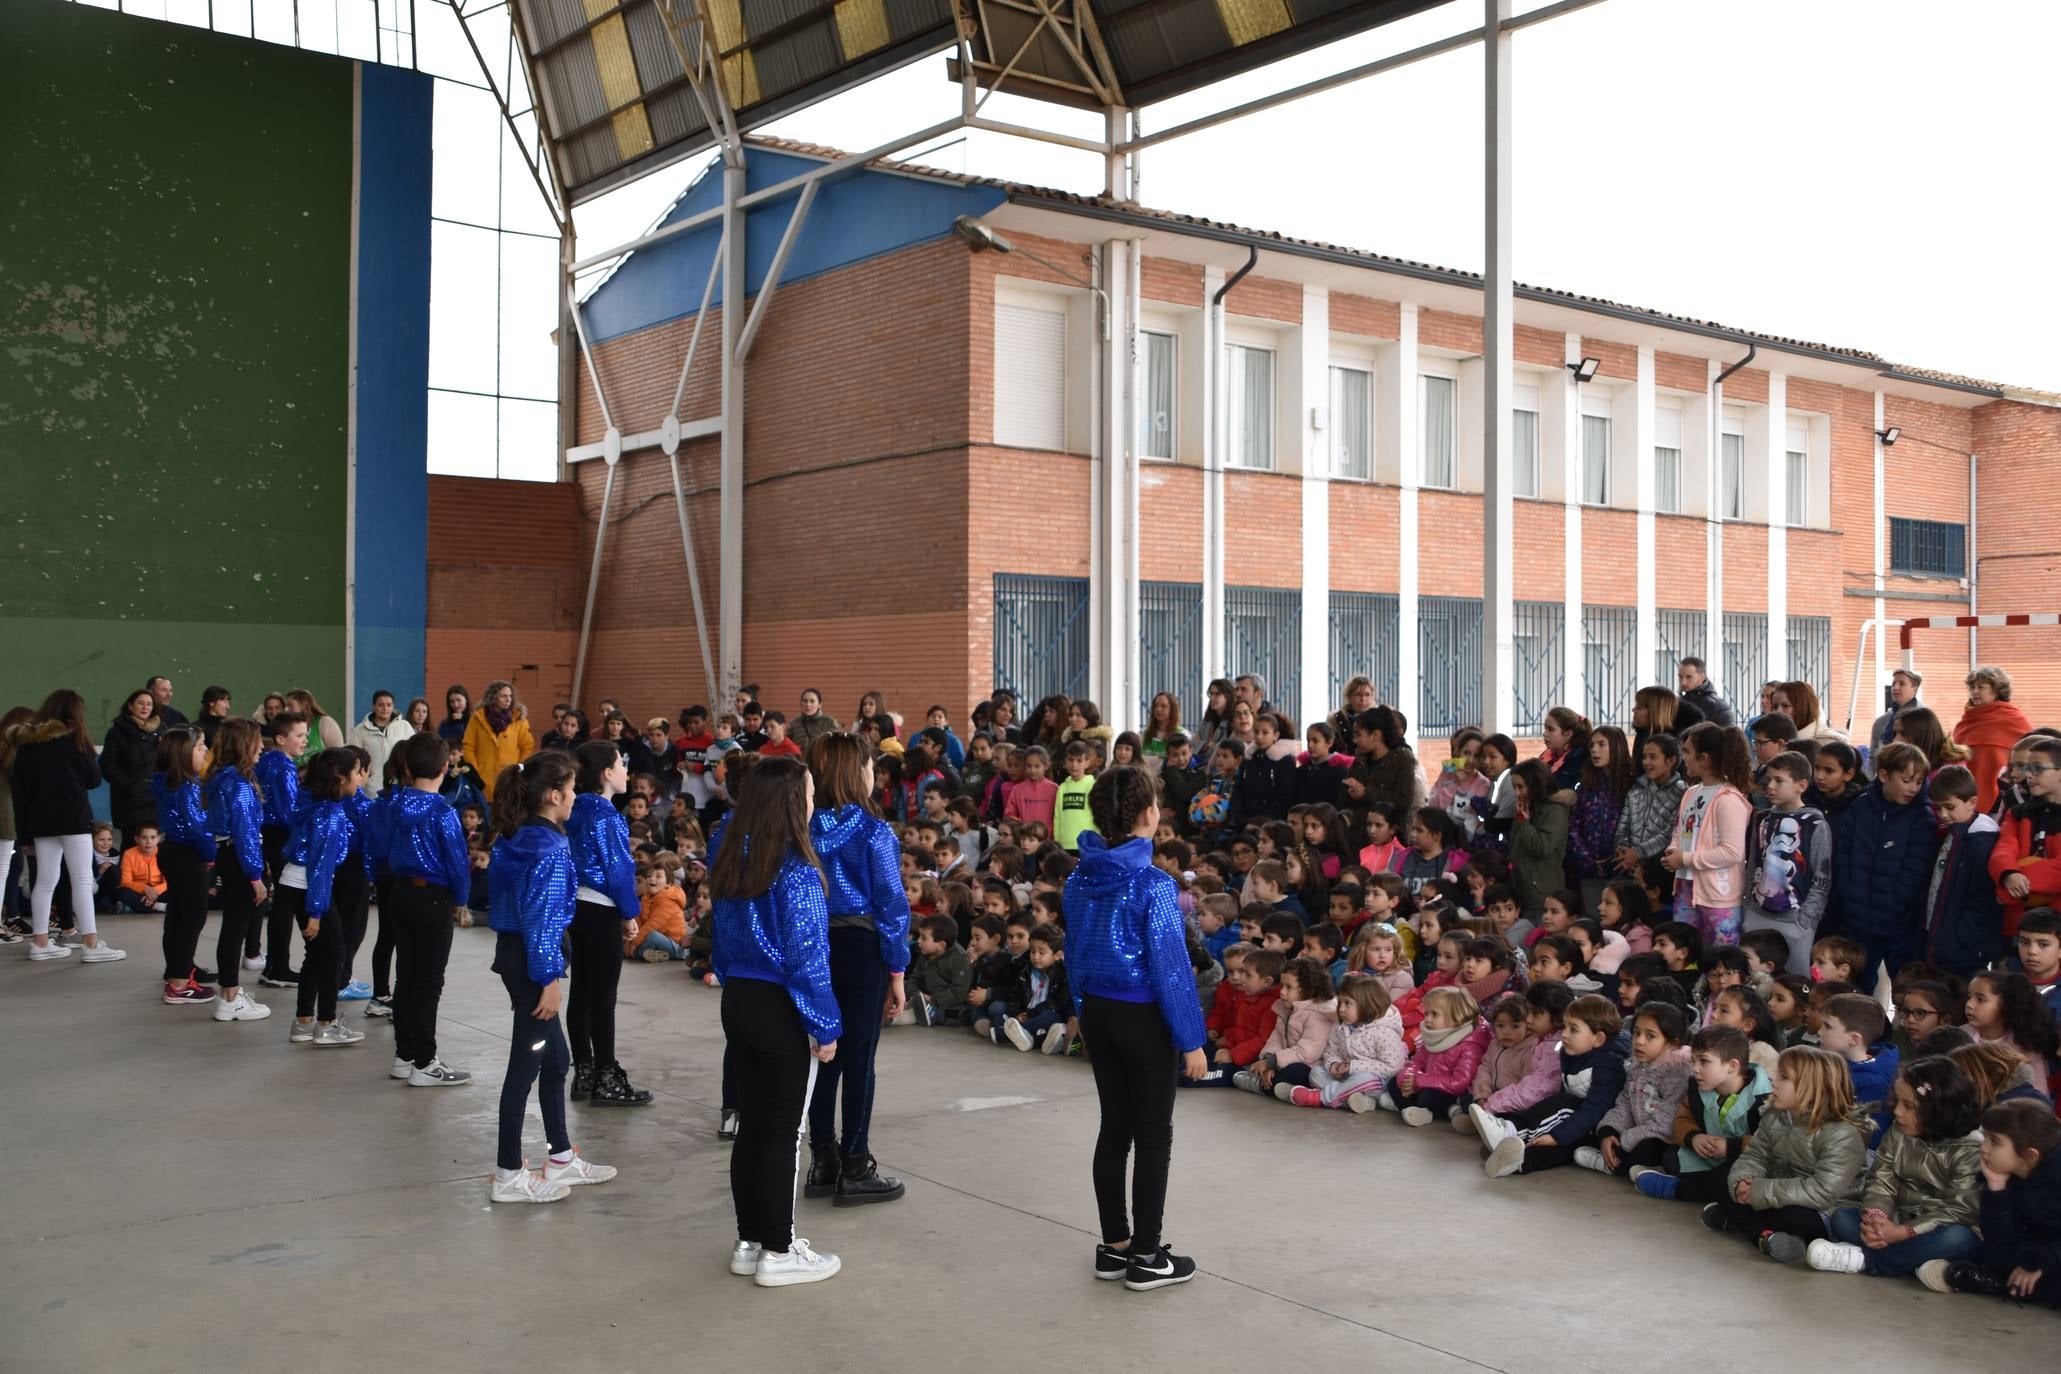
[(1920, 1198), (660, 931), (1713, 1119), (1450, 1046), (1364, 1052), (1238, 1026), (1638, 1130), (940, 976), (1001, 976), (2020, 1211), (1803, 1163), (1047, 1004), (1591, 1076), (1522, 1068), (1303, 1018)]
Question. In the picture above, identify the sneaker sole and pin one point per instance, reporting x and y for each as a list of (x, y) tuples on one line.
[(861, 1199), (413, 1082), (744, 1269), (336, 1044), (496, 1197), (1148, 1285), (190, 1001), (788, 1280)]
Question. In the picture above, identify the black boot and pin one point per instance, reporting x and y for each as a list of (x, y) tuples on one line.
[(1963, 1277), (612, 1089), (823, 1170), (862, 1182), (583, 1081)]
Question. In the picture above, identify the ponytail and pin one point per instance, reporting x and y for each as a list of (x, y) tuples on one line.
[(520, 790), (1120, 796), (508, 810)]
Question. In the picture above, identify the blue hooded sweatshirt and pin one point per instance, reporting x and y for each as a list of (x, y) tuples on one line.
[(1125, 939), (862, 867), (531, 878)]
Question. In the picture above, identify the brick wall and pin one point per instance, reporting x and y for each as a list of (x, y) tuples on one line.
[(505, 582)]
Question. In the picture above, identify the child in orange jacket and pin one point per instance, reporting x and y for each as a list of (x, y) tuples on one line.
[(660, 931)]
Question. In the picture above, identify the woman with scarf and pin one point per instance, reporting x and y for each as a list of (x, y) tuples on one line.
[(497, 736)]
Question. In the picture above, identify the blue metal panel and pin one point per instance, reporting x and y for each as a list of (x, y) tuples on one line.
[(1680, 635), (865, 215), (1365, 632), (1610, 662), (1170, 646), (1041, 635), (1746, 659), (1449, 658), (1538, 630), (1810, 652), (1263, 635), (391, 541)]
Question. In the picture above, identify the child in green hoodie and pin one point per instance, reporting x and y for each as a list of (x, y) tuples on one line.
[(1720, 1111)]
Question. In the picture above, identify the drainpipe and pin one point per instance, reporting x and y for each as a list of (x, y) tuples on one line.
[(1213, 476), (1714, 612)]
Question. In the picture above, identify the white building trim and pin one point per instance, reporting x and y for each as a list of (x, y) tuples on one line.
[(1313, 387)]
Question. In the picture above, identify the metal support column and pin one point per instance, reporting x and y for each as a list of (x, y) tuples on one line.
[(1113, 591), (1499, 658), (730, 528), (1212, 477)]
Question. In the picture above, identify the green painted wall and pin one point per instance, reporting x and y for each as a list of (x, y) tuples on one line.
[(174, 317)]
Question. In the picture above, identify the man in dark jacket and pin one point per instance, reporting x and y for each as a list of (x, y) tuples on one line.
[(1701, 693), (160, 689), (1882, 855)]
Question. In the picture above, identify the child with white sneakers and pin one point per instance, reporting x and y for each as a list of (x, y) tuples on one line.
[(1365, 1050)]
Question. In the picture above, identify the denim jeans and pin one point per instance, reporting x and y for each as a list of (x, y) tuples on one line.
[(1904, 1256), (653, 940)]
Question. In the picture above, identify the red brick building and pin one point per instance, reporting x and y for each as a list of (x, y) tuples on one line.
[(920, 452)]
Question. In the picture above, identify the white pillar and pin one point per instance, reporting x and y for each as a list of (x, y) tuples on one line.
[(1498, 478), (730, 501), (1401, 422), (1113, 574), (1574, 675), (1714, 552), (1647, 638), (1775, 443), (1881, 566), (1213, 440), (1313, 349)]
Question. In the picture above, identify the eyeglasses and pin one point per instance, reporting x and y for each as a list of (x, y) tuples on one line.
[(2038, 768)]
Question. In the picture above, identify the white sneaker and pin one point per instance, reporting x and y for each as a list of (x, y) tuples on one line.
[(1835, 1258), (744, 1258), (576, 1170), (255, 963), (53, 950), (1416, 1116), (402, 1068), (333, 1033), (1055, 1040), (300, 1033), (1492, 1129), (241, 1006), (102, 953), (526, 1187), (438, 1075), (1364, 1102), (799, 1265), (1385, 1100), (1506, 1158), (1589, 1157), (1018, 1037)]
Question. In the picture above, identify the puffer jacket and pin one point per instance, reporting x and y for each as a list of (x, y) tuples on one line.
[(1647, 822), (1645, 1107), (1321, 778), (1374, 1047), (1926, 1184), (128, 758), (806, 730), (1538, 853), (50, 780), (1881, 866), (1793, 1166), (1265, 787), (1592, 832), (1301, 1031), (2029, 842), (1394, 778), (1523, 1075), (1704, 697), (1449, 1071)]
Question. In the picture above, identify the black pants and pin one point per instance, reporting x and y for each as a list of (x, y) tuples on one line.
[(1430, 1099), (1548, 1118), (279, 925), (420, 921), (350, 900), (239, 916), (1647, 1154), (1704, 1185), (383, 944), (597, 967), (186, 906), (775, 1073), (858, 979), (315, 994), (1136, 1069), (536, 1055), (1805, 1223)]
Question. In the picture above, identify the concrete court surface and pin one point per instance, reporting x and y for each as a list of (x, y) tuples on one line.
[(182, 1194)]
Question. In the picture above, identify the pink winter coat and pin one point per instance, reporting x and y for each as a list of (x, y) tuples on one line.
[(1374, 1047), (1509, 1080), (1717, 863), (1301, 1030), (1452, 1072)]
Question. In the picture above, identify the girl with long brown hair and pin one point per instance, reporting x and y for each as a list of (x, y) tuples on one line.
[(1708, 854), (184, 853), (235, 815), (54, 769)]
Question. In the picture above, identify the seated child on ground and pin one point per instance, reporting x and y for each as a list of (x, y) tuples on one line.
[(1591, 1076), (1007, 972), (1303, 1017), (1378, 951), (1804, 1161), (1042, 1020), (1239, 1025), (1854, 1027), (1522, 1067), (660, 931), (1920, 1199), (1716, 1115), (1451, 1043), (1638, 1130), (2020, 1211), (1364, 1052), (940, 976), (142, 886)]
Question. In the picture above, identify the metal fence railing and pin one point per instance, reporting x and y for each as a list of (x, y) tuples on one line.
[(1170, 646), (1810, 652), (1746, 659), (1538, 665), (1365, 627), (1678, 635), (1449, 664), (1610, 663), (1263, 635), (1041, 636)]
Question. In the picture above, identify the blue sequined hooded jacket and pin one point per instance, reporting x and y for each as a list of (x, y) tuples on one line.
[(782, 936), (182, 816), (530, 881), (1125, 939), (234, 814), (282, 784), (862, 867), (425, 840), (321, 843), (600, 840)]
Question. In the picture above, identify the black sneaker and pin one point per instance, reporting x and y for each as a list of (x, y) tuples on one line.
[(1963, 1277), (823, 1171), (280, 978), (862, 1182), (583, 1081), (1714, 1215), (726, 1125), (1111, 1263), (612, 1088), (202, 975), (1160, 1269)]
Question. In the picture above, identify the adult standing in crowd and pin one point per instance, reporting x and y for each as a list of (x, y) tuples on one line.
[(457, 715), (1251, 689), (1359, 696), (214, 709), (1990, 724), (1903, 696), (1002, 718), (869, 950), (160, 689), (498, 735), (1700, 692), (53, 769), (1657, 710), (323, 731), (379, 734), (812, 722), (128, 756), (1799, 701), (271, 706)]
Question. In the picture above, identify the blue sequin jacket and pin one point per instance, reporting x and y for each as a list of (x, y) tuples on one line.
[(376, 826), (782, 936), (282, 784), (600, 841), (234, 813), (1125, 939), (531, 883), (321, 843), (862, 867), (366, 825), (182, 816), (425, 840)]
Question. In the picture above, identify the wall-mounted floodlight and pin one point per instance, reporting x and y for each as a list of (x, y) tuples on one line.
[(1889, 436), (979, 237), (1585, 370)]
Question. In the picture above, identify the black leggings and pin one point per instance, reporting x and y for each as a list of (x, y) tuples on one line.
[(279, 925), (775, 1073), (1805, 1223), (536, 1054), (239, 916), (419, 919), (350, 899), (1136, 1069), (315, 994), (597, 967), (383, 944), (186, 906), (1647, 1154), (858, 979)]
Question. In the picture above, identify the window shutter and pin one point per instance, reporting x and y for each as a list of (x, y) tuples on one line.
[(1030, 377)]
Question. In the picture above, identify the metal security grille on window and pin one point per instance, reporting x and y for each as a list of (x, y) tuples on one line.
[(1524, 451), (1437, 402), (1263, 634), (1596, 460), (1170, 646), (1365, 627), (1030, 377), (1681, 635), (1041, 635), (1252, 407), (1928, 548), (1746, 657), (1538, 667), (1352, 422), (1156, 415), (1449, 660)]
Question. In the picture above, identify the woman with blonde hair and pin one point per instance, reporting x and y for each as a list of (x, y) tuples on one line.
[(497, 735), (1803, 1162), (323, 731)]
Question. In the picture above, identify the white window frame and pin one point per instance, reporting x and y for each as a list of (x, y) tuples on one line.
[(1336, 398), (1425, 376), (1173, 410), (1234, 349)]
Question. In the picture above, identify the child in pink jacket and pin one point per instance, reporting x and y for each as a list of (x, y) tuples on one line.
[(1522, 1067), (1708, 853), (1303, 1021), (1365, 1051), (1450, 1046)]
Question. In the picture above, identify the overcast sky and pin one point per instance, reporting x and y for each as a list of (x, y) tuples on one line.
[(1872, 175)]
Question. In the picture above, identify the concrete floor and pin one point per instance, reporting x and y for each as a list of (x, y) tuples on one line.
[(180, 1193)]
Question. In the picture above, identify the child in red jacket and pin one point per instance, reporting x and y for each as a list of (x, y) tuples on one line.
[(1238, 1029), (1452, 946), (1451, 1043)]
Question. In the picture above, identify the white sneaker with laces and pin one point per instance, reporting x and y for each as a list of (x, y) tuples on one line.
[(577, 1170), (1506, 1158), (329, 1034), (102, 953), (1416, 1116), (1589, 1157), (301, 1032), (799, 1265), (1018, 1036), (1835, 1258), (402, 1068), (241, 1006), (744, 1258), (53, 950), (255, 963), (1492, 1129), (526, 1186), (438, 1075)]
